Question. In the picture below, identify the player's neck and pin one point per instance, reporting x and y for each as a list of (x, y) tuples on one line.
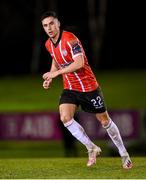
[(55, 39)]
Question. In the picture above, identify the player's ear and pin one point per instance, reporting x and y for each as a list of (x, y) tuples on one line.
[(58, 23)]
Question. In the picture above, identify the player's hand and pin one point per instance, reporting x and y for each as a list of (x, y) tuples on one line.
[(45, 75), (46, 84)]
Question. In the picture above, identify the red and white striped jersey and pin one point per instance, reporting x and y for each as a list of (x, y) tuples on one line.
[(63, 52)]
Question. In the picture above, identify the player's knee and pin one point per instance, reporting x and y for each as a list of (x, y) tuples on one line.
[(104, 122), (103, 118), (65, 118)]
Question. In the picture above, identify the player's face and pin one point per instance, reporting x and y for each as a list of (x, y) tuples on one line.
[(51, 26)]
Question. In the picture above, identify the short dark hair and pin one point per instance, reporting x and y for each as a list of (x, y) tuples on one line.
[(49, 14)]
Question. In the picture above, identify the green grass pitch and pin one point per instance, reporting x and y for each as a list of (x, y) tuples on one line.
[(70, 168)]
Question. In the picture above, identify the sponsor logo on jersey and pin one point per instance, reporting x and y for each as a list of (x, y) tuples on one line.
[(66, 64)]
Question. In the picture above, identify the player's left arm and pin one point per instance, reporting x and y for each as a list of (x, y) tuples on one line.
[(76, 51), (76, 65)]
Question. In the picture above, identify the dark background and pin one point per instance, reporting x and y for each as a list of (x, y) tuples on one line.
[(22, 38), (113, 36)]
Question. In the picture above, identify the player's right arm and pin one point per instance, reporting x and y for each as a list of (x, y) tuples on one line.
[(47, 82)]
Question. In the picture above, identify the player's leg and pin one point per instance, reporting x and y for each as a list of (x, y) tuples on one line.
[(93, 102), (115, 136), (67, 112), (68, 104)]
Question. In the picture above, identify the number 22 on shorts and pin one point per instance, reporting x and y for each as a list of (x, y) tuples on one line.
[(97, 103)]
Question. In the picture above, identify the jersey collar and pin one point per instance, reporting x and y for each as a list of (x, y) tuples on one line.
[(57, 42)]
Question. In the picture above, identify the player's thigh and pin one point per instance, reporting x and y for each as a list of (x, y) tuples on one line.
[(67, 111)]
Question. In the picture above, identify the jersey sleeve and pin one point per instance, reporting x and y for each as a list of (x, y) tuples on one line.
[(47, 46), (74, 46)]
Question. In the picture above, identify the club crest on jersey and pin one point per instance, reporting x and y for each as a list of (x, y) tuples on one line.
[(64, 52)]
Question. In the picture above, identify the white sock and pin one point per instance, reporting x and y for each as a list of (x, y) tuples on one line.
[(79, 133), (114, 134)]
